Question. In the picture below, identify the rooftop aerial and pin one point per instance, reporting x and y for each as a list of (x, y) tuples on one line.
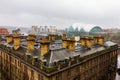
[(55, 54)]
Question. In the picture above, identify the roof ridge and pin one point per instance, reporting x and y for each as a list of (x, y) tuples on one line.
[(51, 56)]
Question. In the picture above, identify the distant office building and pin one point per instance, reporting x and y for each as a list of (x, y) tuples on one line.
[(43, 29), (82, 31), (75, 31), (34, 29), (71, 29)]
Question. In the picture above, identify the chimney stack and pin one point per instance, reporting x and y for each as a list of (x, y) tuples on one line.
[(86, 42), (52, 37), (83, 41), (89, 42), (99, 40), (32, 36), (71, 44), (64, 36), (95, 39), (64, 43), (30, 44), (44, 46), (16, 42), (9, 38)]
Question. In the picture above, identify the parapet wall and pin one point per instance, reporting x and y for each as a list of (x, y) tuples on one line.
[(43, 65)]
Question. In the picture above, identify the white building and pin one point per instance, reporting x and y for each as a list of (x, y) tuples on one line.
[(43, 29)]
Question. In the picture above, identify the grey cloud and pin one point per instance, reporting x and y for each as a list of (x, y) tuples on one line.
[(59, 12)]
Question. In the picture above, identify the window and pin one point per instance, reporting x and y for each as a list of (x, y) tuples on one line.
[(32, 77), (77, 69), (19, 63), (77, 78), (68, 74), (40, 77), (15, 61), (58, 77), (12, 59)]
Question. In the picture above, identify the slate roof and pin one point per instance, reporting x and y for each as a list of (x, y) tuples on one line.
[(109, 43), (21, 50), (35, 52), (59, 54)]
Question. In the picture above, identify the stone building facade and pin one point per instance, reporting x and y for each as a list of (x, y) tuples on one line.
[(89, 62)]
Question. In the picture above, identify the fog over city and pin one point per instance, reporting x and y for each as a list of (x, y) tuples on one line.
[(61, 13)]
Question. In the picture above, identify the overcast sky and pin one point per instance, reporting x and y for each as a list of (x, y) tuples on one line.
[(61, 13)]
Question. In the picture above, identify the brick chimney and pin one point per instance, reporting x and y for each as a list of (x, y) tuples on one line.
[(9, 38), (64, 43), (83, 41), (86, 42), (32, 36), (64, 36), (89, 42), (95, 39), (30, 44), (44, 46), (71, 44), (101, 40), (52, 37), (16, 42)]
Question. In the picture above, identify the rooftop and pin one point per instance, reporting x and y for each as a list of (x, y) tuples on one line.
[(57, 54)]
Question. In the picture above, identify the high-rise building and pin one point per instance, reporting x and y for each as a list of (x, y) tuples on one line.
[(57, 59), (43, 29)]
